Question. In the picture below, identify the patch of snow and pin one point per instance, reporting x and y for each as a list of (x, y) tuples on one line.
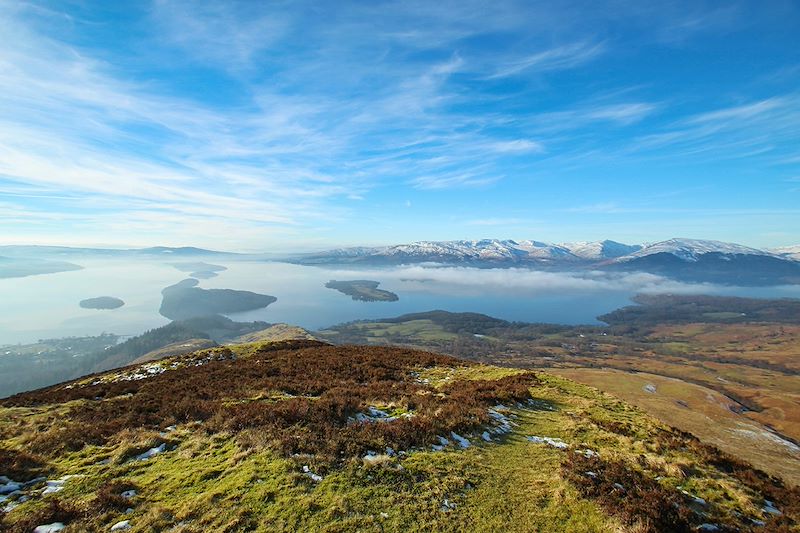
[(443, 441), (9, 487), (485, 436), (588, 453), (56, 485), (769, 507), (314, 477), (695, 499), (128, 494), (650, 388), (755, 432), (707, 527), (464, 443), (555, 443), (125, 525), (152, 452), (49, 528)]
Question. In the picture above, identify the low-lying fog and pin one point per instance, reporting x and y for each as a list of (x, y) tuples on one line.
[(47, 306)]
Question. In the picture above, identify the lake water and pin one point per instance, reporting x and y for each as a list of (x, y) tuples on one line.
[(46, 306)]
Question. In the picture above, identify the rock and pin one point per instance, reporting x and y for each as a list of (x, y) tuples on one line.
[(650, 388), (125, 525), (128, 494)]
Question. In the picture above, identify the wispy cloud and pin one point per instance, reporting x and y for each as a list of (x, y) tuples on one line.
[(760, 128), (252, 121), (447, 181), (559, 57)]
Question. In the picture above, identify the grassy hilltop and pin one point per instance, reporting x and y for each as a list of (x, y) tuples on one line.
[(300, 435)]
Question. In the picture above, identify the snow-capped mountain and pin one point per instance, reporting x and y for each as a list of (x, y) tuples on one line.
[(692, 260), (483, 251), (792, 252), (600, 250), (486, 252), (711, 262), (692, 249)]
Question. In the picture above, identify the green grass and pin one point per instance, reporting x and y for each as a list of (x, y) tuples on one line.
[(212, 482)]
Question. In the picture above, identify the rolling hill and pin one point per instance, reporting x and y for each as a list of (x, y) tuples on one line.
[(304, 436)]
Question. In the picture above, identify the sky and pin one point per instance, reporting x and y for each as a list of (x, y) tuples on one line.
[(304, 125)]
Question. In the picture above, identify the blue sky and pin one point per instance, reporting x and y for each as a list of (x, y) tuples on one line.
[(290, 124)]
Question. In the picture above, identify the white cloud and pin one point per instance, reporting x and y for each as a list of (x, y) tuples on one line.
[(517, 146), (560, 57), (466, 280)]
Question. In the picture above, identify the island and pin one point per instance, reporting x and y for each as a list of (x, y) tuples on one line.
[(200, 269), (16, 267), (186, 300), (362, 290), (102, 302)]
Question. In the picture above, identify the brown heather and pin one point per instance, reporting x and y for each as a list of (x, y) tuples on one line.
[(321, 387)]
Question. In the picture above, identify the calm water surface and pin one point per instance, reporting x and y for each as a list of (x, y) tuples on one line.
[(47, 306)]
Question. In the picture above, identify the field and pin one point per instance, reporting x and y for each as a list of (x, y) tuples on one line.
[(276, 437)]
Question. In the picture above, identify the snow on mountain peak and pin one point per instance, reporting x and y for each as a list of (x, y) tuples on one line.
[(792, 252), (690, 249), (599, 250)]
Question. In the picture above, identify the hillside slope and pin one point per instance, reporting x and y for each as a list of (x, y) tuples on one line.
[(303, 436), (730, 372)]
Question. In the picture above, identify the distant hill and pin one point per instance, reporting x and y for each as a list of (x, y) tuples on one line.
[(31, 251), (18, 267), (684, 309)]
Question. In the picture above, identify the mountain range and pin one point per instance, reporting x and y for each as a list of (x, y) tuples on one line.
[(685, 259)]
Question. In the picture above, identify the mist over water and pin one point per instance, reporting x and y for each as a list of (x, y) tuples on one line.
[(46, 306)]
